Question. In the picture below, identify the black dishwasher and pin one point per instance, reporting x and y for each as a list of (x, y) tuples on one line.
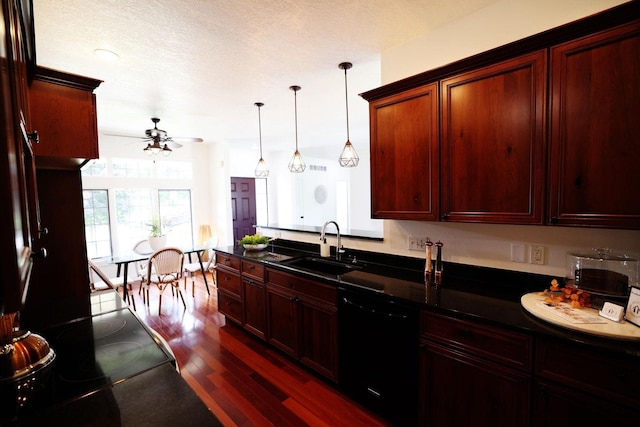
[(379, 354)]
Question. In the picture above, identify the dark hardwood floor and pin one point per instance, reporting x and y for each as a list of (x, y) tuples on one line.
[(241, 379)]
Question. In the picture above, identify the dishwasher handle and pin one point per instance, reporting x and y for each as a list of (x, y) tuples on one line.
[(361, 307)]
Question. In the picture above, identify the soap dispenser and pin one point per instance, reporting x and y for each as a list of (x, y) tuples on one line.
[(325, 249)]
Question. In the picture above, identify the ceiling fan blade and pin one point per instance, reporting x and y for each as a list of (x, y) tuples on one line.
[(185, 139), (171, 143), (121, 135)]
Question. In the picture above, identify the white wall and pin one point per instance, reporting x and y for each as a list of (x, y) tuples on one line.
[(488, 245)]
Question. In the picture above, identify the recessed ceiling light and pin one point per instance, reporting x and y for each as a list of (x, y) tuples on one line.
[(106, 55)]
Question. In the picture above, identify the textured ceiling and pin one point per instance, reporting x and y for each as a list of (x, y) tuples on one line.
[(200, 65)]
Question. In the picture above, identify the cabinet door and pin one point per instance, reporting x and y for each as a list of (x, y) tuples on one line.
[(282, 320), (17, 177), (458, 389), (493, 143), (595, 143), (255, 320), (404, 155), (554, 405), (318, 325), (63, 111)]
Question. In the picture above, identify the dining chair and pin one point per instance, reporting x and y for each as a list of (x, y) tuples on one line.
[(192, 268), (105, 282), (141, 247), (164, 269)]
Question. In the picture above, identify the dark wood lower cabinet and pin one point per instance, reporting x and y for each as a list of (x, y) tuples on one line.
[(255, 320), (302, 319), (459, 389), (282, 320), (555, 405)]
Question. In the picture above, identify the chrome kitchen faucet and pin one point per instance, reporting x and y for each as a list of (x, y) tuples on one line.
[(339, 248)]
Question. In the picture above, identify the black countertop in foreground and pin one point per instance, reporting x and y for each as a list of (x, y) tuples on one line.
[(111, 370), (481, 294)]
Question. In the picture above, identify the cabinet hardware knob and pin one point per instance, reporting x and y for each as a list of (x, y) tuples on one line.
[(34, 136), (41, 253)]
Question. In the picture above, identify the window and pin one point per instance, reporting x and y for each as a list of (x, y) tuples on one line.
[(175, 215), (134, 211), (97, 167), (173, 170), (97, 224), (118, 217), (132, 168)]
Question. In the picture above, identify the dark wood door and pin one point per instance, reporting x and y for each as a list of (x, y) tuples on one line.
[(19, 211), (282, 320), (404, 155), (555, 405), (493, 142), (458, 389), (318, 324), (595, 143), (243, 206), (255, 320)]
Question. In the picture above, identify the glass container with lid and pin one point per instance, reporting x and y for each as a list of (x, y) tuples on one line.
[(602, 272)]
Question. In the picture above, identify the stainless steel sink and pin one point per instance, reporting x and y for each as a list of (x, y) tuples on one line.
[(321, 265)]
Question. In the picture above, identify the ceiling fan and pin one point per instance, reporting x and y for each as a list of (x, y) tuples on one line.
[(158, 141)]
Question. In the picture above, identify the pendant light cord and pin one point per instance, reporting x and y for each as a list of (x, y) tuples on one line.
[(346, 100), (260, 130), (295, 106)]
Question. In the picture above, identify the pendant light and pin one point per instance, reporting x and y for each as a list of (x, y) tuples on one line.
[(348, 158), (261, 168), (296, 165)]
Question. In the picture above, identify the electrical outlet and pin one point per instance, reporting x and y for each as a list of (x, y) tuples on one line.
[(536, 254), (416, 243), (517, 252)]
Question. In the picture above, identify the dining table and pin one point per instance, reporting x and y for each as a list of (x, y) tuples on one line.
[(123, 260)]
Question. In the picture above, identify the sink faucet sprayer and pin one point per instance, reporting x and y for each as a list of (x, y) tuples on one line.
[(339, 248)]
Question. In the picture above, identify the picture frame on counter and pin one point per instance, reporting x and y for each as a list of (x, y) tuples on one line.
[(633, 306)]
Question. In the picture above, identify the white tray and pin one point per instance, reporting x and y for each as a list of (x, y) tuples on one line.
[(608, 328)]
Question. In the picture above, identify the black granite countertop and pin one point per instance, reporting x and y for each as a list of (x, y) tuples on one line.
[(481, 294), (109, 370)]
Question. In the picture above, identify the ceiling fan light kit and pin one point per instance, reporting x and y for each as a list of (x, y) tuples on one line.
[(348, 158), (261, 168), (296, 164)]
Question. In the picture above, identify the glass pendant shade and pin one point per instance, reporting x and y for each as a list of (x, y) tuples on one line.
[(348, 158), (296, 165), (155, 148), (261, 168)]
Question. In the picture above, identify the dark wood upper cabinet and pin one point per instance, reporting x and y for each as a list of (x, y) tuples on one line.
[(493, 142), (404, 155), (63, 111), (595, 138), (539, 131)]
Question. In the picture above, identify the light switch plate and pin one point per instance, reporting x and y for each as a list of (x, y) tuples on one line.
[(517, 252)]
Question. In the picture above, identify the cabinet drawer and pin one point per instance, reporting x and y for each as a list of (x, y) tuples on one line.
[(228, 281), (229, 306), (228, 261), (326, 293), (493, 343), (616, 377), (253, 270)]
